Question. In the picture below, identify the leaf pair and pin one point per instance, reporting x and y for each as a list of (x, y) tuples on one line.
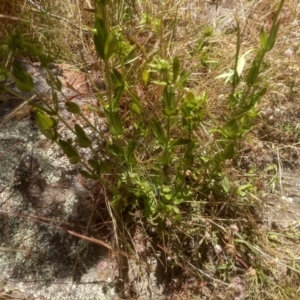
[(104, 41), (46, 124), (267, 42), (127, 154), (24, 81)]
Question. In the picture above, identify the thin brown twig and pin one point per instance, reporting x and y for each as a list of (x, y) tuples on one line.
[(47, 221)]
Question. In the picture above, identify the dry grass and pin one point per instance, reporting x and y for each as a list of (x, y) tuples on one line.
[(193, 267)]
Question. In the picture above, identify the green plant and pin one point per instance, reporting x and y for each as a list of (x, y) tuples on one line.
[(169, 161), (158, 186)]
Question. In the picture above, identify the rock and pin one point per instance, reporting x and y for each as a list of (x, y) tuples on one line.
[(41, 196)]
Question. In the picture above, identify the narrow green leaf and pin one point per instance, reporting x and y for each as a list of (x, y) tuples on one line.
[(169, 101), (95, 165), (240, 66), (72, 107), (114, 122), (67, 148), (82, 139), (42, 120), (116, 78), (161, 83), (129, 151), (100, 37), (253, 72), (225, 184), (263, 39), (159, 133), (136, 105), (45, 60), (74, 159), (115, 150), (178, 142), (117, 96), (241, 63), (135, 108), (110, 45), (176, 68), (176, 209), (58, 83), (199, 45), (183, 78), (50, 134), (24, 81), (236, 77), (146, 76), (228, 75), (229, 151), (150, 206), (256, 97), (272, 37)]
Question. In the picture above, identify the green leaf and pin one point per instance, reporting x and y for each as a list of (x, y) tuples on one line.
[(199, 45), (229, 151), (45, 60), (116, 150), (240, 66), (237, 70), (95, 165), (136, 106), (263, 39), (128, 153), (229, 75), (116, 78), (161, 83), (114, 122), (178, 142), (176, 68), (169, 102), (69, 150), (159, 133), (176, 209), (50, 134), (150, 205), (35, 49), (272, 37), (82, 139), (183, 78), (24, 81), (253, 72), (225, 184), (42, 120), (241, 63), (110, 45), (72, 107), (58, 83), (256, 97), (243, 189), (100, 37), (117, 96), (146, 76), (74, 159)]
